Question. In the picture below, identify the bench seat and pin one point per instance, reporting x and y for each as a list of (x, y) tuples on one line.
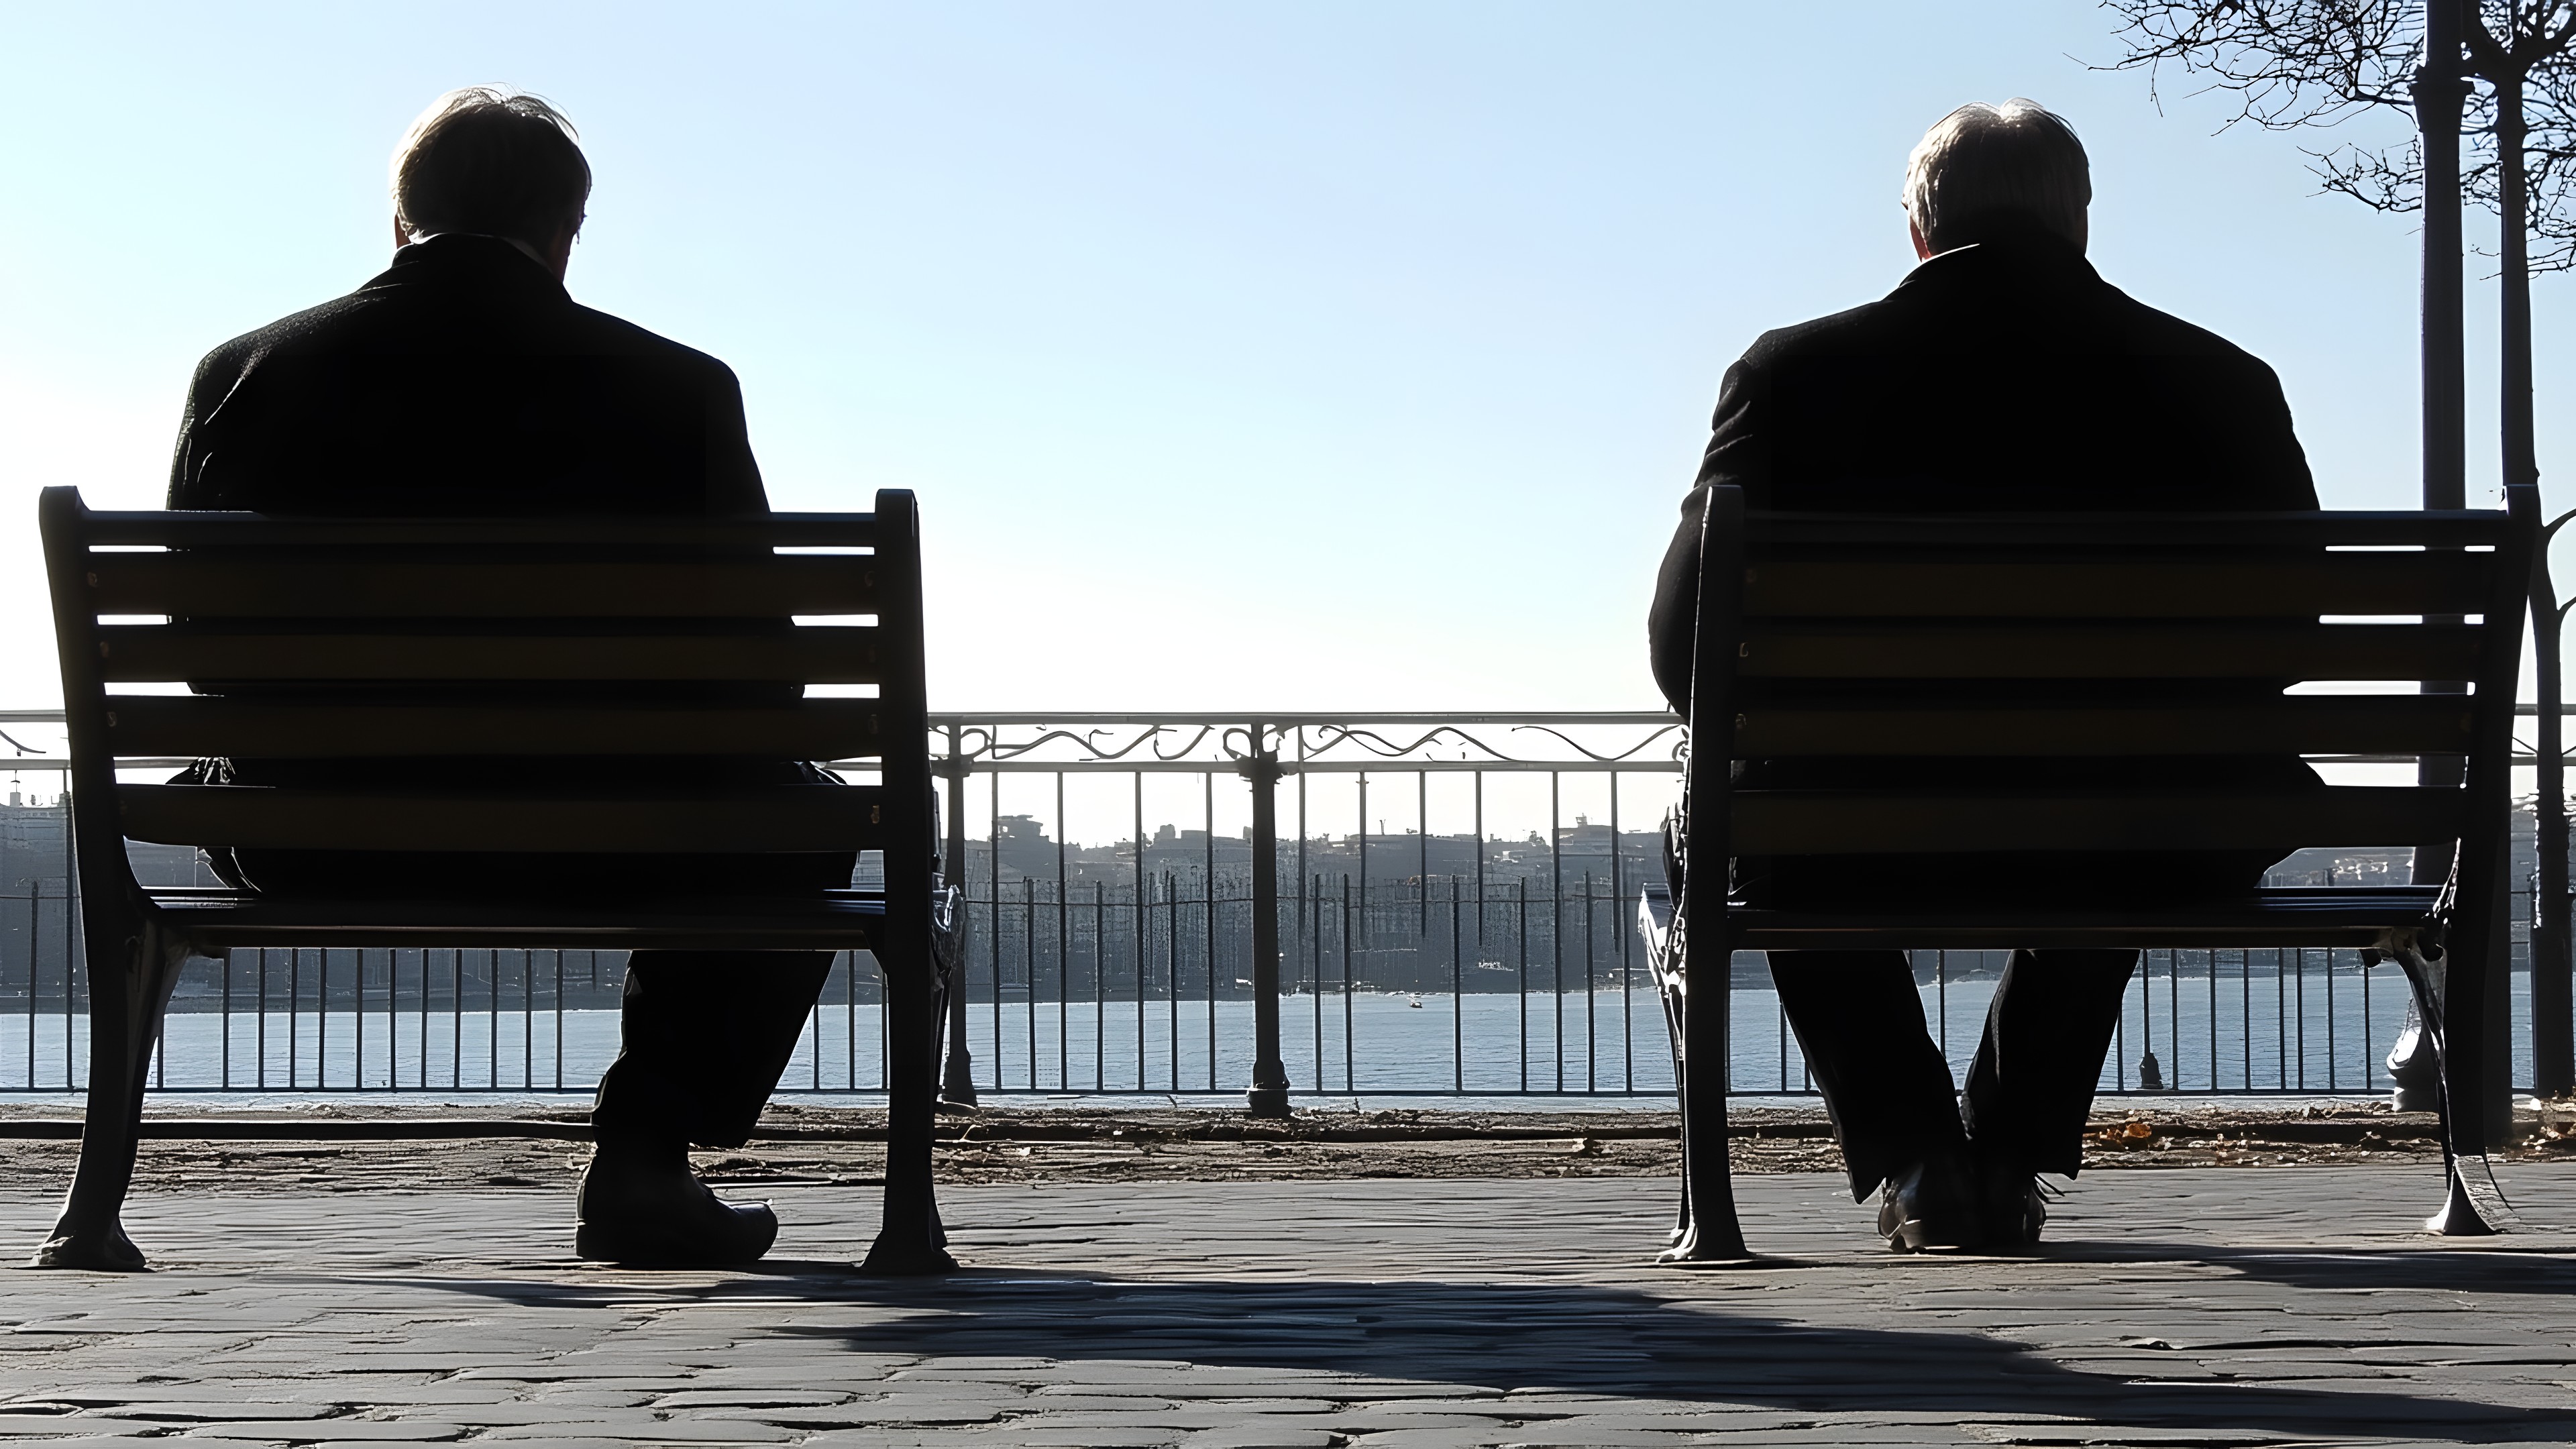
[(2350, 916)]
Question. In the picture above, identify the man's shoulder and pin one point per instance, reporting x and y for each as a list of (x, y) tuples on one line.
[(588, 329), (2150, 331), (1856, 327), (380, 320)]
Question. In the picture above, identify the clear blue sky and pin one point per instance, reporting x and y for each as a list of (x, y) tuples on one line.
[(1309, 355)]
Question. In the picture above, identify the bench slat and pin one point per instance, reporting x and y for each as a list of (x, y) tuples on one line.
[(780, 818), (1807, 822), (817, 654), (2317, 725), (1948, 532), (305, 586), (2121, 588), (196, 529), (2112, 651), (834, 920), (816, 729)]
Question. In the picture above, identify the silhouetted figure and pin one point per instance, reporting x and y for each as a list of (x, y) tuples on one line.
[(463, 381), (2003, 374)]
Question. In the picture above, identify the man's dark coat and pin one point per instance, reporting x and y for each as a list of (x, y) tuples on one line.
[(2002, 377), (463, 381), (2006, 376)]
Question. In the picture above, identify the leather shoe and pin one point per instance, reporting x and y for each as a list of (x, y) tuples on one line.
[(649, 1210), (1931, 1204), (2011, 1204)]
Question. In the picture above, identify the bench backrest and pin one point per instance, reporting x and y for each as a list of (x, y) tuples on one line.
[(457, 639), (2107, 637)]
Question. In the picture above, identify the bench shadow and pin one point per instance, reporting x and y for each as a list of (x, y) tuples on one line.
[(1570, 1338), (2506, 1267)]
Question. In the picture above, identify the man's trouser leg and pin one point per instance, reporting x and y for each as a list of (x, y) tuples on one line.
[(2051, 1024), (1860, 1023), (702, 1040)]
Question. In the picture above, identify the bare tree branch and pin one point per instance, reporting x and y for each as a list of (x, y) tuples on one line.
[(2297, 64)]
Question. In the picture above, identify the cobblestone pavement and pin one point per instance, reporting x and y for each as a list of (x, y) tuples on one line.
[(2191, 1307)]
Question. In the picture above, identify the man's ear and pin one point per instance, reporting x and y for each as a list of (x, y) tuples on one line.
[(558, 249), (1914, 234), (402, 238)]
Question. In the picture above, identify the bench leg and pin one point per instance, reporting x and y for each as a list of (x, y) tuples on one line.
[(1710, 1232), (910, 1240), (1681, 1093), (129, 986), (2472, 1203)]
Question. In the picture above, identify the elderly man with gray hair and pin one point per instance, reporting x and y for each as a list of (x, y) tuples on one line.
[(2002, 375)]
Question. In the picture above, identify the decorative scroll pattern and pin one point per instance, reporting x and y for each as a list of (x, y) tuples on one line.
[(1572, 741)]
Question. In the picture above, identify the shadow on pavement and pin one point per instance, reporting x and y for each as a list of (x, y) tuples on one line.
[(1584, 1339)]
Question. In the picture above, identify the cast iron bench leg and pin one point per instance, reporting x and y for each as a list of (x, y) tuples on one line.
[(2472, 1204), (129, 986), (910, 1239), (1710, 1232)]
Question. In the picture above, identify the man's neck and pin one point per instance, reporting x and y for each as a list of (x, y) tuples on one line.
[(525, 250)]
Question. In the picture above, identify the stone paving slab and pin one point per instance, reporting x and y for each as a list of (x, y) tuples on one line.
[(2188, 1307)]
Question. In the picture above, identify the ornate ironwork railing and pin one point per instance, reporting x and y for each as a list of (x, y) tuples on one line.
[(1292, 904)]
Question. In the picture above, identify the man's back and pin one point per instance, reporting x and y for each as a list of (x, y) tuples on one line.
[(2003, 376), (463, 380)]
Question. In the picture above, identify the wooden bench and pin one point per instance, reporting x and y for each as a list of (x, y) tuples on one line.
[(1913, 608), (394, 625)]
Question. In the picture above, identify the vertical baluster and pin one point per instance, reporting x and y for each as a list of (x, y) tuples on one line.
[(1457, 997), (1556, 920), (1591, 1036), (2334, 1065), (1520, 967), (1142, 923), (225, 1069), (1063, 954), (1029, 966), (1207, 927), (1099, 986)]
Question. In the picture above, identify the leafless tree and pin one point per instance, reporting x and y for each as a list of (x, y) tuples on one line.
[(2299, 64)]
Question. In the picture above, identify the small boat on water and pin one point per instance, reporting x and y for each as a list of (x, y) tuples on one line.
[(1414, 1001)]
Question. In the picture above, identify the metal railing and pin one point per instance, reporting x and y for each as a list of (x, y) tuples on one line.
[(1449, 913)]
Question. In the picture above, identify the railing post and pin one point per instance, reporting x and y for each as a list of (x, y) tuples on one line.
[(957, 1080), (1269, 1094)]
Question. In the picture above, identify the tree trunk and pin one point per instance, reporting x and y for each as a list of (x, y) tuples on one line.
[(2550, 927), (2440, 94)]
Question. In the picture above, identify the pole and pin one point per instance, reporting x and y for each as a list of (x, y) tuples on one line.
[(2441, 94), (2553, 974), (957, 1075), (1269, 1094)]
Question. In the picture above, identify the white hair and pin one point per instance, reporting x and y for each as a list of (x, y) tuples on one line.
[(1983, 168)]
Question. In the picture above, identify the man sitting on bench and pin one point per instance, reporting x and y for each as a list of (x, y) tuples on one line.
[(463, 381), (2004, 375)]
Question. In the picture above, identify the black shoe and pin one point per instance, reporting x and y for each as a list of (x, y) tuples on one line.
[(659, 1216), (1931, 1204), (2012, 1206)]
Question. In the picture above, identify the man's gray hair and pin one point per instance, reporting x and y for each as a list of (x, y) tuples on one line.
[(494, 161), (1988, 168)]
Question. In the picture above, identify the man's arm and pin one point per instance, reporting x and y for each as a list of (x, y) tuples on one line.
[(189, 454), (2276, 476), (733, 475), (1738, 453)]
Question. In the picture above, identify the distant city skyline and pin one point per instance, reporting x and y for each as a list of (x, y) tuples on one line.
[(1331, 356)]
